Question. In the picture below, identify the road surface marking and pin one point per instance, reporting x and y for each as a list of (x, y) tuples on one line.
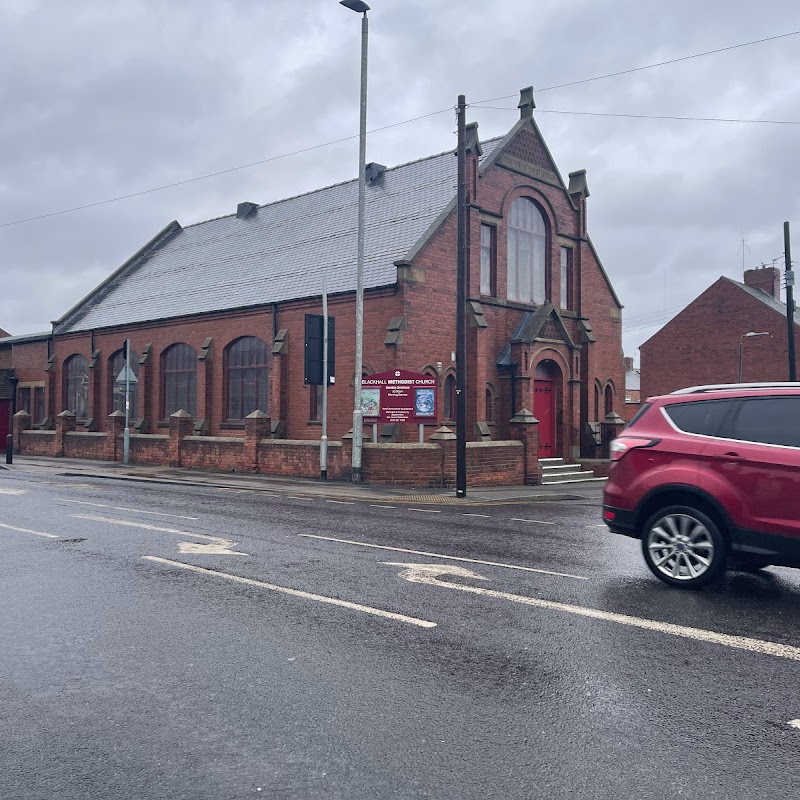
[(25, 530), (218, 546), (795, 723), (600, 526), (429, 574), (12, 491), (374, 506), (295, 497), (439, 555), (319, 598), (341, 502), (120, 508), (485, 516), (538, 521)]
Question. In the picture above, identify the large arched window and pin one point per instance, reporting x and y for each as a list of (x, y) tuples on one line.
[(117, 391), (449, 397), (179, 380), (609, 399), (246, 373), (76, 386), (527, 253)]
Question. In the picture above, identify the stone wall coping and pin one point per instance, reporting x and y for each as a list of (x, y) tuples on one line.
[(150, 437), (87, 434), (400, 446), (38, 433), (215, 439), (296, 443), (494, 444)]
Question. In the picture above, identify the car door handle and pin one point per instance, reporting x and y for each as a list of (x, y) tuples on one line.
[(731, 456)]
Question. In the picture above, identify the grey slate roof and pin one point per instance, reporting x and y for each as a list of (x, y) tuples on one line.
[(279, 252), (632, 380), (774, 304)]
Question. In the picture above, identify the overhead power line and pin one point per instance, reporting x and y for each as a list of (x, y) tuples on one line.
[(652, 66), (647, 116), (309, 149)]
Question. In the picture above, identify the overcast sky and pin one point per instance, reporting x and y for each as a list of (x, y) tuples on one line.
[(102, 99)]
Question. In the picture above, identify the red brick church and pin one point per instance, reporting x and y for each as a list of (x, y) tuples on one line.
[(215, 310)]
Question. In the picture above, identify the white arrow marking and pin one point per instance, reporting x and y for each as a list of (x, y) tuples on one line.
[(218, 545), (428, 573), (12, 491), (334, 601)]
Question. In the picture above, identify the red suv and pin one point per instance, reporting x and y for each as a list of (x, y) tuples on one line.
[(709, 478)]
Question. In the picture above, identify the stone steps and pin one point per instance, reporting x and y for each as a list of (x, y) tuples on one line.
[(556, 470)]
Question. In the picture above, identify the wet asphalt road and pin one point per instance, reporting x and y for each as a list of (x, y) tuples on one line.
[(124, 676)]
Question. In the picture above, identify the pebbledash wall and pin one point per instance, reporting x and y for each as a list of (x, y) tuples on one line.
[(427, 465), (410, 325)]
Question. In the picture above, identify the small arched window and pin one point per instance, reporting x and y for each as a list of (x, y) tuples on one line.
[(489, 405), (117, 391), (596, 403), (76, 386), (246, 376), (609, 399), (449, 397), (179, 380), (527, 253)]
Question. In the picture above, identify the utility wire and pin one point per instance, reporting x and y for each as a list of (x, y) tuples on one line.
[(647, 116), (215, 174), (650, 66), (415, 119)]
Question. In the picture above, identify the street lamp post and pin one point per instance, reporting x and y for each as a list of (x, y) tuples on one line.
[(13, 380), (744, 336), (358, 417)]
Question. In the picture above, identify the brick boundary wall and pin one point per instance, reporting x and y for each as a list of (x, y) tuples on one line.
[(428, 465)]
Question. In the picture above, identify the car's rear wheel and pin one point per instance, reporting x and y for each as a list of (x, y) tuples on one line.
[(684, 547)]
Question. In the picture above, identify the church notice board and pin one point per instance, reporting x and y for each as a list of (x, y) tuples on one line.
[(399, 396)]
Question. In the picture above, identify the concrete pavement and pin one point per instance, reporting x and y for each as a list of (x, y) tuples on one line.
[(73, 467)]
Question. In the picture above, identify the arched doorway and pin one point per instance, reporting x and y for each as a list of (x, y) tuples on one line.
[(546, 391)]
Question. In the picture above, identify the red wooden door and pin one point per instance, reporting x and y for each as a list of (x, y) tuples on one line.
[(5, 408), (544, 409)]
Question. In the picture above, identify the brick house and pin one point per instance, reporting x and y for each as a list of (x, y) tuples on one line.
[(215, 310), (702, 344)]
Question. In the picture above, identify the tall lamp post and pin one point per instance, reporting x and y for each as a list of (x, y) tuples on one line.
[(13, 380), (744, 336), (360, 7)]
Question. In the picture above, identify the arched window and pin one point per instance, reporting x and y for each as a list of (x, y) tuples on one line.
[(527, 253), (179, 380), (596, 403), (489, 405), (449, 397), (609, 399), (246, 373), (117, 391), (76, 386)]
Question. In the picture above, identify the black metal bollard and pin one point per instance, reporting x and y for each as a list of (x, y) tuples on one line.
[(9, 449)]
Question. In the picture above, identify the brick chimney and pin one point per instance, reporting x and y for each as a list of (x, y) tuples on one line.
[(768, 279), (628, 362)]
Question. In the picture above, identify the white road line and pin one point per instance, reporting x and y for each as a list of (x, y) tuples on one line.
[(537, 521), (294, 497), (426, 510), (417, 573), (120, 508), (440, 555), (25, 530), (341, 502), (319, 598), (485, 516), (375, 506), (12, 491), (795, 723)]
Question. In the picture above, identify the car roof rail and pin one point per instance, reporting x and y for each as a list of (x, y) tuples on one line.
[(721, 387)]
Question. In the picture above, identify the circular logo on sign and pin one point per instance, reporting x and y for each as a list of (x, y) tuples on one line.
[(397, 373)]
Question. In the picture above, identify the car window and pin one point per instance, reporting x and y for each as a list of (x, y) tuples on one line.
[(638, 415), (769, 420), (701, 416)]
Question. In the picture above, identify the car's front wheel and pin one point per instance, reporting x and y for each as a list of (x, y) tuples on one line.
[(684, 547)]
